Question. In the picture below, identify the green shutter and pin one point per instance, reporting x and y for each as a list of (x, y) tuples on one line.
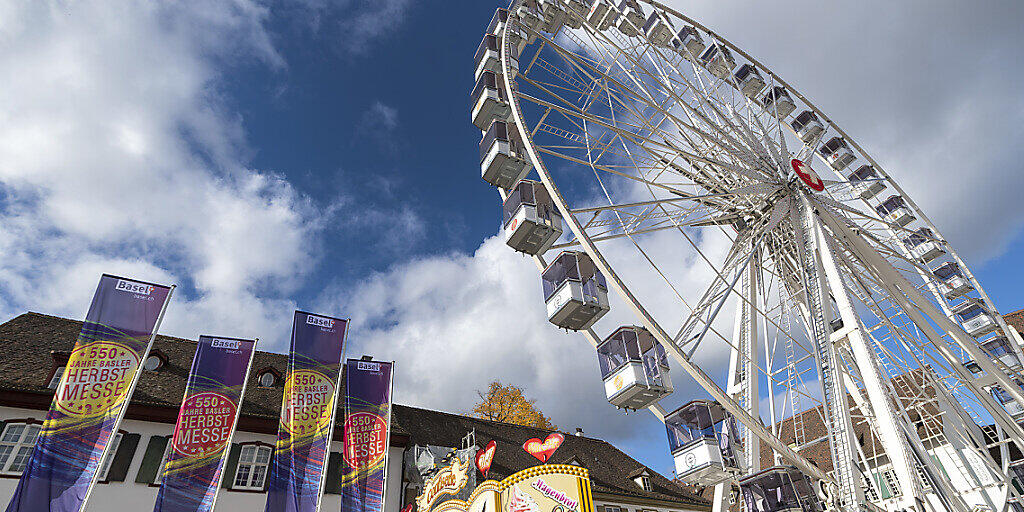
[(231, 466), (151, 459), (333, 483), (123, 458), (883, 487)]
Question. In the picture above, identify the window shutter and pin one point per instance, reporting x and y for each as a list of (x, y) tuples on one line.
[(333, 475), (883, 488), (231, 466), (270, 468), (123, 458), (151, 459)]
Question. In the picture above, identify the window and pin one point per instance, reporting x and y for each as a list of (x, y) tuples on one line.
[(105, 466), (252, 467), (267, 380), (153, 363), (163, 463), (16, 445), (893, 482), (645, 483), (612, 508), (55, 380), (869, 490)]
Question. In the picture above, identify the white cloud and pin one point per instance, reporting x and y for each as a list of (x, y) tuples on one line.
[(116, 156), (354, 25)]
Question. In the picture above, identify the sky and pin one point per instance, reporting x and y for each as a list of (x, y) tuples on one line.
[(317, 154)]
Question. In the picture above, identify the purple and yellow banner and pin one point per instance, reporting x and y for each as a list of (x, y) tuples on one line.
[(206, 422), (307, 413), (98, 378), (367, 435)]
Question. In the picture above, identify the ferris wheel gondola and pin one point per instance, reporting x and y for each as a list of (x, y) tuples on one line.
[(660, 146)]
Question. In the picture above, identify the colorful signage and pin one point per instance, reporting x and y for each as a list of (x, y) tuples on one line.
[(307, 413), (448, 481), (99, 376), (547, 488), (206, 422), (367, 435), (543, 450), (485, 457), (809, 177)]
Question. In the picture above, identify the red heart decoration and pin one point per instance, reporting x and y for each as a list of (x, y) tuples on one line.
[(409, 507), (544, 450), (485, 457)]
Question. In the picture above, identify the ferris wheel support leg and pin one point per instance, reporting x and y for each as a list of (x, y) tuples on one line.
[(720, 502), (920, 310), (878, 390), (744, 380)]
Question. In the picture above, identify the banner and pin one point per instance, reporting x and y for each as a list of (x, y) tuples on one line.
[(367, 435), (307, 413), (206, 422), (89, 402)]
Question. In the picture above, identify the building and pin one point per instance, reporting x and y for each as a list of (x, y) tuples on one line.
[(36, 347)]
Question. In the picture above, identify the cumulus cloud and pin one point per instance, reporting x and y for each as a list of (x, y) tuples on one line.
[(354, 25), (116, 156)]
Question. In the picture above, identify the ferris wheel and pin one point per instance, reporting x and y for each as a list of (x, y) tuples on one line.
[(867, 367)]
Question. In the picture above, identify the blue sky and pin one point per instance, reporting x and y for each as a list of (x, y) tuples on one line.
[(318, 154)]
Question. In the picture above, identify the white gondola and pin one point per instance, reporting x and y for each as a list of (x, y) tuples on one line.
[(576, 13), (659, 29), (631, 17), (1000, 348), (634, 367), (778, 101), (780, 489), (866, 182), (807, 126), (1011, 406), (1016, 471), (554, 15), (531, 18), (924, 244), (575, 292), (704, 441), (837, 153), (602, 14), (502, 160), (749, 80), (517, 35), (976, 319), (688, 43), (718, 61), (895, 211), (489, 102), (954, 284), (488, 57), (529, 218)]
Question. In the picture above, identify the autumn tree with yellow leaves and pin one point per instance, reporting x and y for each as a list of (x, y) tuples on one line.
[(508, 404)]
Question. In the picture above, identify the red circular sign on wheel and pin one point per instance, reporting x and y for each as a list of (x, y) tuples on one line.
[(807, 174)]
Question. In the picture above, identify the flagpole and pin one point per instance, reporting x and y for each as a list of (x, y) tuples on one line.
[(128, 396), (234, 426), (334, 414), (387, 439)]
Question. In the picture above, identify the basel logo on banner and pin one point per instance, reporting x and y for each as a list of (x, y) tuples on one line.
[(204, 424), (365, 439), (97, 379), (310, 395)]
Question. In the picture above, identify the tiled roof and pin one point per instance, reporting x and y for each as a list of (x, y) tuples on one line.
[(30, 341), (1016, 320)]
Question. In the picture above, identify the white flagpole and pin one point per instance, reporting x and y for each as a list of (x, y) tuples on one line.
[(334, 413), (130, 393), (234, 426), (387, 439)]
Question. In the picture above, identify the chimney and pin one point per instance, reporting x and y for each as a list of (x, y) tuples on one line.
[(579, 432)]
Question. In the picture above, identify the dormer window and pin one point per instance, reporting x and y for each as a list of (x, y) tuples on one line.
[(268, 378), (154, 361), (643, 479)]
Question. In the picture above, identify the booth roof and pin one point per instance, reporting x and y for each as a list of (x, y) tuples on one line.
[(34, 343)]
